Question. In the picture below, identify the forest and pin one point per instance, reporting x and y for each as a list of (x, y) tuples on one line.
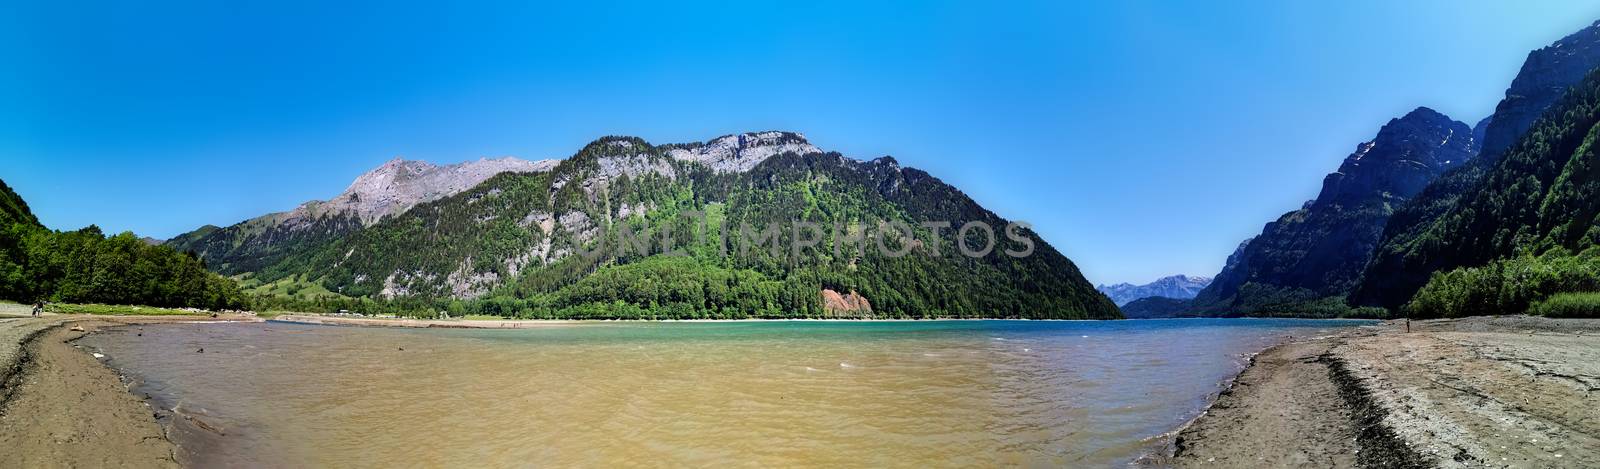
[(86, 266)]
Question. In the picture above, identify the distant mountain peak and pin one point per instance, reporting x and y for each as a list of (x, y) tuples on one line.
[(399, 184), (1173, 286)]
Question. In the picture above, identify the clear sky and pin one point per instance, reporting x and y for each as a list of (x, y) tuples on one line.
[(1141, 138)]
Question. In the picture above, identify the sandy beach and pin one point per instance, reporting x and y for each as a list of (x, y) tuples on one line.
[(1474, 392), (60, 407)]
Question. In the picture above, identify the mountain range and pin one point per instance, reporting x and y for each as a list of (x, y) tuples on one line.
[(1320, 249), (1411, 249), (1181, 287), (503, 237)]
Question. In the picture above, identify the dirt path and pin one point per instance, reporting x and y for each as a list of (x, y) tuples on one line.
[(68, 410)]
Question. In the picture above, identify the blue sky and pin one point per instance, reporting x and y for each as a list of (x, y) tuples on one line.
[(1141, 138)]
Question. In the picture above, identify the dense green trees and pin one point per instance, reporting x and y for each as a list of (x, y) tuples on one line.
[(1569, 305), (85, 266), (1508, 286)]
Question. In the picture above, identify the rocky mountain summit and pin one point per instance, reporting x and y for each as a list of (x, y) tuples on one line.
[(740, 153), (400, 184), (1177, 286), (1408, 153), (1543, 79)]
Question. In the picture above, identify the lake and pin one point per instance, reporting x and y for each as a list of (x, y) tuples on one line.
[(739, 394)]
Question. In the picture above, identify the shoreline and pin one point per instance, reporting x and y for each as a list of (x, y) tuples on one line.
[(362, 321), (1500, 391), (61, 406)]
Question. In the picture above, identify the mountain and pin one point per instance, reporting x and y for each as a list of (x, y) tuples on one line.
[(390, 189), (1410, 250), (1156, 307), (1176, 286), (562, 243), (1525, 229), (1543, 79), (1318, 251)]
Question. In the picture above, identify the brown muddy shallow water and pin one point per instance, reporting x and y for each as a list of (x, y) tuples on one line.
[(931, 393)]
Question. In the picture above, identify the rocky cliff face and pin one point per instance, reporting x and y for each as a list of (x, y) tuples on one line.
[(1320, 249), (740, 153), (387, 190), (401, 184), (1544, 78), (849, 304), (1176, 286)]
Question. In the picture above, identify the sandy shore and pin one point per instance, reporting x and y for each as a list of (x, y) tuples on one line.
[(1476, 392), (60, 407)]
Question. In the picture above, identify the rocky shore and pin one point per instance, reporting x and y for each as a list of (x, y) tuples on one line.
[(1475, 392)]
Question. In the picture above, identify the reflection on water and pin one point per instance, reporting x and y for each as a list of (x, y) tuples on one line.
[(944, 393)]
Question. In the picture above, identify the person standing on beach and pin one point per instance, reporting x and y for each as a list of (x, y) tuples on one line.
[(38, 306)]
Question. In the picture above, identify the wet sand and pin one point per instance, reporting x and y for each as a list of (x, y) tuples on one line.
[(60, 407), (1475, 392)]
